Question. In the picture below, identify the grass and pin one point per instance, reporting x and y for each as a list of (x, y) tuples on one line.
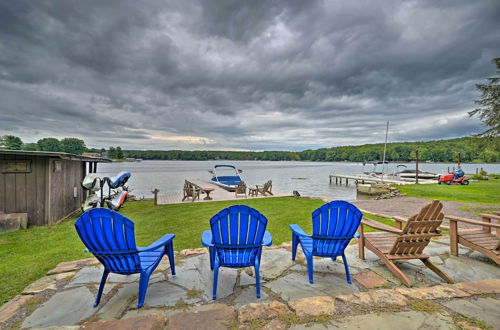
[(28, 254), (480, 192)]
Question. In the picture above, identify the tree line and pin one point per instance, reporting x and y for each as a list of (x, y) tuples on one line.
[(472, 149)]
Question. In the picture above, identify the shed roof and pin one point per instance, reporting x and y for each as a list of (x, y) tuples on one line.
[(62, 155)]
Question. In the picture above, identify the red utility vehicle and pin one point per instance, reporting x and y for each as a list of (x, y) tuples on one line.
[(449, 179)]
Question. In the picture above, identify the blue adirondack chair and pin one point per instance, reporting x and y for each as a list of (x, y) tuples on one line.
[(235, 240), (110, 237), (334, 225)]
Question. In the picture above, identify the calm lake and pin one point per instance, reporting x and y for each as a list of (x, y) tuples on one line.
[(308, 178)]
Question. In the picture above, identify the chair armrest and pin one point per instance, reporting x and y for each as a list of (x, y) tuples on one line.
[(380, 226), (490, 216), (399, 222), (207, 239), (268, 239), (472, 222), (298, 231), (159, 243)]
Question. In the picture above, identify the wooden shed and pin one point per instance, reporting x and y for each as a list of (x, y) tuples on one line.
[(44, 185)]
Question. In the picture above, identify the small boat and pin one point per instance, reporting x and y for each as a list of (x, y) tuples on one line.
[(411, 174), (374, 171), (226, 181)]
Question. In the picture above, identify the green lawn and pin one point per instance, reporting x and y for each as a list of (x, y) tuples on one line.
[(481, 192), (27, 255)]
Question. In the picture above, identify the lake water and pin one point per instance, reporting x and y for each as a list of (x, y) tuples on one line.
[(308, 178)]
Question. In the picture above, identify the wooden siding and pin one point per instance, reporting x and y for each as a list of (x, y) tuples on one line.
[(62, 201), (46, 196), (25, 192)]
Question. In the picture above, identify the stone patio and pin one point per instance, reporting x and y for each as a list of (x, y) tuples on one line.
[(63, 299)]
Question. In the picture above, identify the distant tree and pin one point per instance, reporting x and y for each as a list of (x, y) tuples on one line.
[(490, 102), (49, 144), (73, 146), (11, 142), (30, 147), (119, 153), (112, 153)]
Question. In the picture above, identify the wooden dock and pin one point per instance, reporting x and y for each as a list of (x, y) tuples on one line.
[(218, 194), (344, 178)]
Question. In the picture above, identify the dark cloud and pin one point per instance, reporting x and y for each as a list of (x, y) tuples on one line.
[(279, 74)]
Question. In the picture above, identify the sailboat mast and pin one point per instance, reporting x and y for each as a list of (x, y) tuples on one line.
[(385, 149)]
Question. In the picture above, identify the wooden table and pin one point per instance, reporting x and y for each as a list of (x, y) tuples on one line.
[(202, 186)]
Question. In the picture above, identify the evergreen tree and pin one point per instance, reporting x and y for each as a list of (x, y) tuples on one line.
[(490, 102), (119, 153)]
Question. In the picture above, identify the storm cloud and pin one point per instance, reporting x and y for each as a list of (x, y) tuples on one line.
[(243, 75)]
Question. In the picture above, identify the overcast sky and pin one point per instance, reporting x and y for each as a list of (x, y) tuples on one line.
[(243, 75)]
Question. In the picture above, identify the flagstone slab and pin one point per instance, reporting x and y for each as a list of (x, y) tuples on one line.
[(296, 286), (213, 319), (464, 269), (274, 262), (64, 308), (246, 279), (116, 306), (370, 280), (13, 306), (164, 294), (75, 265), (89, 275), (195, 273), (484, 309), (327, 265), (248, 295), (143, 322), (386, 321)]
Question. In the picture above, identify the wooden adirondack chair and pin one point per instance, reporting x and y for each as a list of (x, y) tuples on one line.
[(241, 189), (481, 240), (334, 225), (235, 240), (190, 191), (110, 237), (266, 188), (408, 243)]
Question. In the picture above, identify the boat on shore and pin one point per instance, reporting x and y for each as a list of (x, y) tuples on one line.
[(221, 176), (412, 174)]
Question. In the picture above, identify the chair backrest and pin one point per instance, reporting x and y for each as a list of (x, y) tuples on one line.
[(110, 237), (334, 225), (268, 186), (238, 232), (420, 228), (241, 188)]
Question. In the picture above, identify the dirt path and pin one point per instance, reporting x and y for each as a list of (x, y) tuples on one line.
[(406, 206)]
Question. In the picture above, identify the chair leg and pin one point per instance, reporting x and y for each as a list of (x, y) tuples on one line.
[(361, 243), (346, 265), (438, 271), (257, 278), (101, 287), (396, 271), (211, 251), (170, 253), (310, 268), (295, 243), (143, 287), (216, 276)]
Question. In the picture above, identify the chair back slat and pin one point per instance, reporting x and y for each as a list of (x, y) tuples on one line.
[(237, 232), (110, 237), (334, 225), (419, 230)]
